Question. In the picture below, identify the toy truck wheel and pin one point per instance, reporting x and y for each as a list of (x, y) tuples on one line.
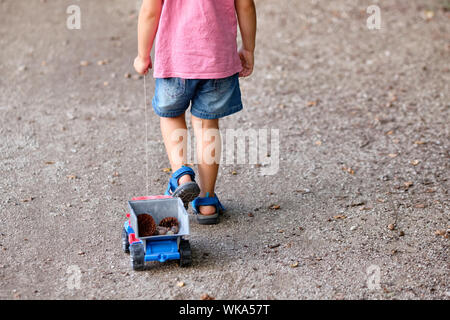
[(185, 253), (125, 243), (137, 256)]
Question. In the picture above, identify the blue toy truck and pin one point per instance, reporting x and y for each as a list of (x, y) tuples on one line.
[(156, 248)]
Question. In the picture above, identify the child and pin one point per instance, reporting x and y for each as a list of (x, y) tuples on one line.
[(196, 62)]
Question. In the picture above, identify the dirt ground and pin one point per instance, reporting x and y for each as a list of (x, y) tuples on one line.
[(363, 118)]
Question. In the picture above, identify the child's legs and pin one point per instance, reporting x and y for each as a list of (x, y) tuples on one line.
[(174, 132), (209, 146)]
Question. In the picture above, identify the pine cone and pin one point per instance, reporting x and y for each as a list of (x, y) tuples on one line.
[(146, 225), (171, 224)]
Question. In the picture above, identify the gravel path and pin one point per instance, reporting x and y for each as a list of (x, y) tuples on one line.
[(364, 148)]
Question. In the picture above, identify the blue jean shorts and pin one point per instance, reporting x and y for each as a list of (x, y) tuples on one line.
[(210, 98)]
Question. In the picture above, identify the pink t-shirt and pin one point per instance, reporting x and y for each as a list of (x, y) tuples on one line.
[(196, 39)]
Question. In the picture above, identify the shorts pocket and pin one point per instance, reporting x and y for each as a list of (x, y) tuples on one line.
[(225, 84), (174, 87)]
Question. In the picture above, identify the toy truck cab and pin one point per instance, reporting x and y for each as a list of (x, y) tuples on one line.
[(161, 247)]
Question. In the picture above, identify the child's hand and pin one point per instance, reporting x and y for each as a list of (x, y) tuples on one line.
[(247, 60), (142, 65)]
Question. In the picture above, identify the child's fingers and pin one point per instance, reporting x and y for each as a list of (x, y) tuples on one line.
[(244, 73), (142, 67), (248, 71)]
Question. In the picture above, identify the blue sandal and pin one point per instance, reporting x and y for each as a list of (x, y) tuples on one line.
[(207, 201), (187, 191)]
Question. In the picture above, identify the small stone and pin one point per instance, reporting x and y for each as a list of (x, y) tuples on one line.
[(392, 155), (311, 103), (357, 204), (294, 265), (70, 116), (391, 226), (349, 170), (408, 184), (352, 228), (428, 15), (207, 297), (84, 63), (160, 231), (180, 284)]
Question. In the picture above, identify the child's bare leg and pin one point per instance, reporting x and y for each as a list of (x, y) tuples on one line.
[(208, 153), (174, 132)]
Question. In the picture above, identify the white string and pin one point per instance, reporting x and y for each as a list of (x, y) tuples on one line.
[(146, 134)]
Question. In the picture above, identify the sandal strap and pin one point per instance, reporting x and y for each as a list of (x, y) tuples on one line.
[(183, 171), (207, 201), (167, 193), (173, 182)]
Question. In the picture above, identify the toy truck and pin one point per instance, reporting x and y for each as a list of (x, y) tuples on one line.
[(160, 247)]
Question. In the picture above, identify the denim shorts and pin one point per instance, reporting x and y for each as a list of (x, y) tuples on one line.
[(211, 98)]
